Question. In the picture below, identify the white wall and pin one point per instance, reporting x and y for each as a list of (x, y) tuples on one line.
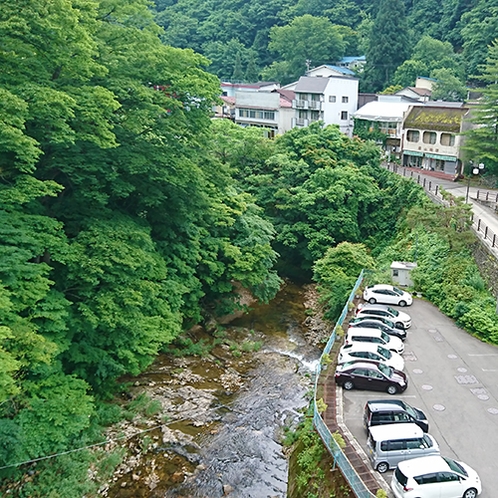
[(341, 87)]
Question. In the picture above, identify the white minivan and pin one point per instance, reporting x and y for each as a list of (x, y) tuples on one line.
[(375, 336), (390, 444)]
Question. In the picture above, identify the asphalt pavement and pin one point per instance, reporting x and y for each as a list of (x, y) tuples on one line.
[(453, 378), (485, 218)]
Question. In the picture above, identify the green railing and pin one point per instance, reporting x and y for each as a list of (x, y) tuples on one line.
[(340, 459)]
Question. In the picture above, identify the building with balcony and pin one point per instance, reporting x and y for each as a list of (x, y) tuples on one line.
[(331, 99), (432, 136), (385, 116), (266, 109)]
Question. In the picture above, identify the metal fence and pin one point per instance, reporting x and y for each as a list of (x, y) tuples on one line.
[(433, 189), (340, 459)]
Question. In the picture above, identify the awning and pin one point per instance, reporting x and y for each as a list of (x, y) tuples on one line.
[(413, 153), (441, 157)]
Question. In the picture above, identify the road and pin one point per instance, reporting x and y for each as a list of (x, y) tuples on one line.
[(453, 378)]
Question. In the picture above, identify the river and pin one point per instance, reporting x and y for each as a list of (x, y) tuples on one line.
[(216, 422)]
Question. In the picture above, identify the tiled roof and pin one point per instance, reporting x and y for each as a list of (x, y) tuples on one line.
[(420, 91), (307, 84), (342, 70)]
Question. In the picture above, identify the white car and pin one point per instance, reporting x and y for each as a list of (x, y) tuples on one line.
[(374, 336), (401, 319), (435, 477), (366, 351), (387, 294)]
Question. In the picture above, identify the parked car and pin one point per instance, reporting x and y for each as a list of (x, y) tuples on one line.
[(400, 319), (370, 375), (380, 323), (393, 411), (388, 445), (375, 336), (435, 476), (373, 352), (387, 294)]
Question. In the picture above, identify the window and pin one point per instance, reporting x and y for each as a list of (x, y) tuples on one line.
[(426, 478), (344, 115), (395, 273), (345, 100), (447, 477), (412, 136), (315, 97), (447, 139), (429, 137), (332, 98), (269, 115)]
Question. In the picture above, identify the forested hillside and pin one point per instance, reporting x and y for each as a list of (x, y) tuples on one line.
[(127, 215), (402, 39)]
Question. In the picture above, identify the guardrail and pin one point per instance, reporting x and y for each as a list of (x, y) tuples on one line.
[(357, 485), (480, 228)]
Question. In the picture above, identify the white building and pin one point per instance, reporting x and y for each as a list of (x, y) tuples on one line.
[(272, 110), (331, 99), (433, 136), (386, 116)]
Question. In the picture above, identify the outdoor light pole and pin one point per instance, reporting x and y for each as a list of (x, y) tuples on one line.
[(475, 171)]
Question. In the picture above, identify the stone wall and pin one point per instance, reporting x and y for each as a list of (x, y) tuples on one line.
[(488, 264)]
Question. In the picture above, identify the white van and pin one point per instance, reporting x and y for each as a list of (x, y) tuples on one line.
[(392, 443), (375, 336)]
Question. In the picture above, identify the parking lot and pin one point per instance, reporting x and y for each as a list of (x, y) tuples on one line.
[(453, 378)]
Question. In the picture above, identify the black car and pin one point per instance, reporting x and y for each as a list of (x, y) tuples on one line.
[(393, 411), (370, 375), (377, 323)]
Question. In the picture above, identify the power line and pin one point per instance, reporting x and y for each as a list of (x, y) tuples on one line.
[(34, 460)]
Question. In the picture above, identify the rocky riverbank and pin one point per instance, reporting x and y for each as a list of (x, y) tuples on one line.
[(212, 425)]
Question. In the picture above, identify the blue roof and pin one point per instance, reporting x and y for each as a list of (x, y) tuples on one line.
[(348, 60), (343, 70)]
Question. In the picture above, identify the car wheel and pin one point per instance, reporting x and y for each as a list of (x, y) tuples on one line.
[(392, 389), (402, 303), (470, 493), (348, 385), (372, 300), (384, 467)]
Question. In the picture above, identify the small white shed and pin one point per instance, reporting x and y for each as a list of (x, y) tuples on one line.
[(400, 273)]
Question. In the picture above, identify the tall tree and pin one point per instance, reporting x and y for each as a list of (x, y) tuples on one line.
[(482, 141), (388, 45), (478, 27), (306, 40)]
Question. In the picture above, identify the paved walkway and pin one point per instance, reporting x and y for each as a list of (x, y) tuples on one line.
[(485, 217)]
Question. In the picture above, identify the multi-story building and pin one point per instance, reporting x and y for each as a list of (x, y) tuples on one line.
[(433, 136), (385, 115), (331, 99), (271, 110)]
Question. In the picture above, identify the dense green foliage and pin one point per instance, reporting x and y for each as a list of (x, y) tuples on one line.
[(439, 239), (319, 188), (260, 38), (482, 140), (390, 48), (116, 231), (127, 215)]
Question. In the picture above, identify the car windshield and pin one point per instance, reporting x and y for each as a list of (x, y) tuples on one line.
[(393, 311), (387, 371), (410, 410), (384, 352), (398, 291), (455, 466)]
